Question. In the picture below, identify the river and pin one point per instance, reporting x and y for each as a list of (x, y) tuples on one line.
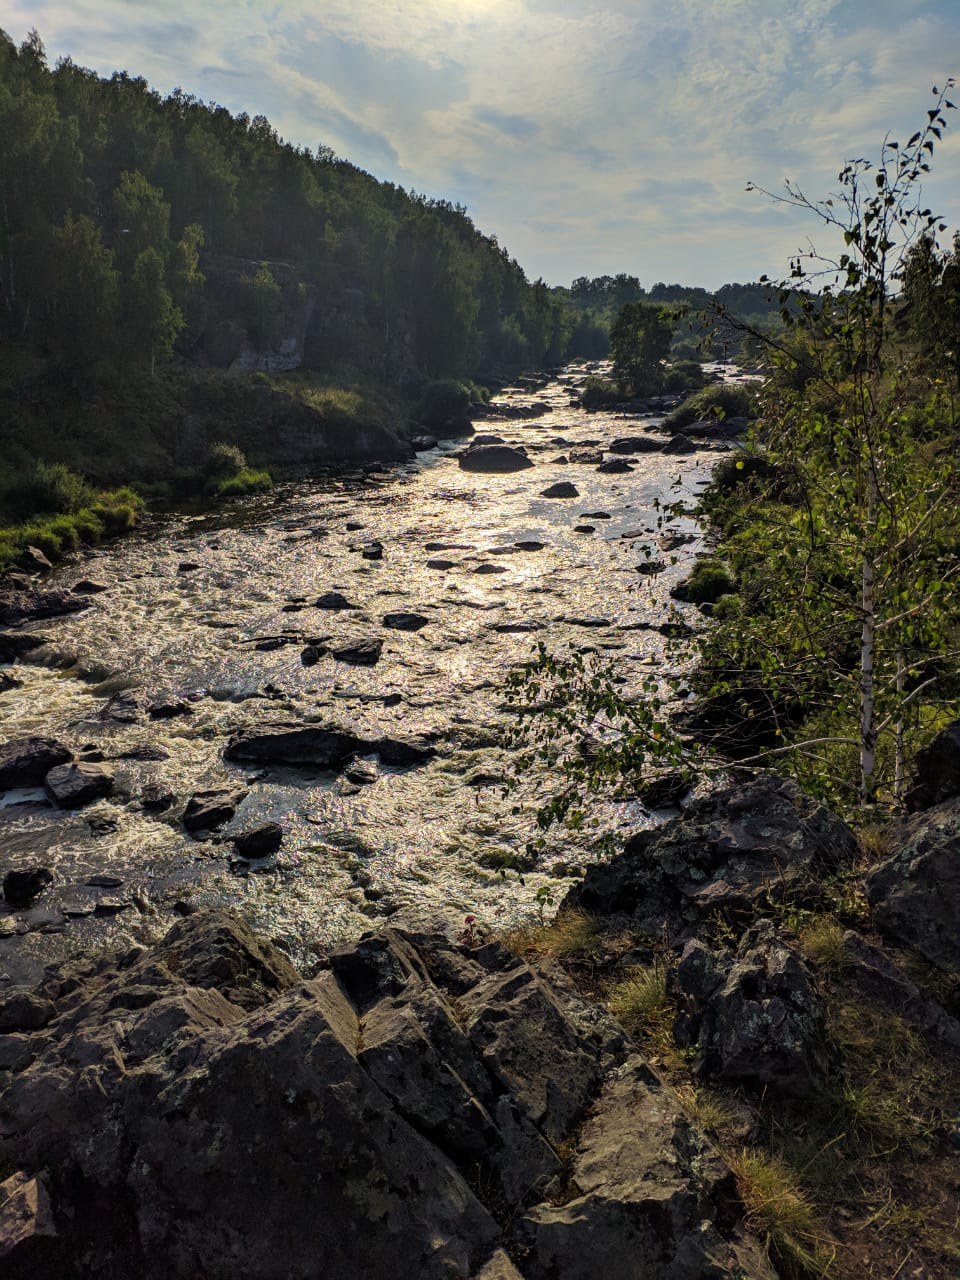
[(190, 598)]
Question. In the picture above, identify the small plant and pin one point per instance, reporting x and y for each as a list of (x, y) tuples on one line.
[(641, 1002), (781, 1213)]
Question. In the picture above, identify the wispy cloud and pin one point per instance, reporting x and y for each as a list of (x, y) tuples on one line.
[(588, 135)]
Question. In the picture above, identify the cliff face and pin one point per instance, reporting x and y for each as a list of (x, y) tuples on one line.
[(196, 1108)]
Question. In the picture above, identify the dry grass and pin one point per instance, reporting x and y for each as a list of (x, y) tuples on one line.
[(570, 935), (781, 1213)]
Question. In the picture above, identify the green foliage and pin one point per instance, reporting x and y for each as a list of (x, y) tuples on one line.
[(445, 400), (639, 344), (224, 460), (49, 488), (684, 375), (706, 584), (719, 401), (243, 482), (599, 393)]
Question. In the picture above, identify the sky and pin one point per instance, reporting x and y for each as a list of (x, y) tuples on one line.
[(589, 136)]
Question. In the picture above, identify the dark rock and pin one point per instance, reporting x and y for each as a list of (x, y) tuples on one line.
[(15, 645), (24, 1011), (615, 467), (650, 568), (529, 544), (22, 888), (361, 772), (28, 1237), (664, 791), (405, 621), (310, 655), (87, 587), (635, 444), (156, 798), (259, 842), (25, 762), (404, 751), (333, 600), (302, 745), (754, 1014), (486, 438), (441, 564), (271, 643), (885, 983), (562, 489), (20, 607), (360, 653), (8, 682), (168, 708), (490, 568), (422, 443), (494, 459), (937, 767), (679, 444), (728, 852), (372, 551), (596, 515), (187, 566), (584, 528), (207, 810), (32, 560), (915, 894)]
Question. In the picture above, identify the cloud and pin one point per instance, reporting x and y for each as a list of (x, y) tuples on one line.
[(620, 133)]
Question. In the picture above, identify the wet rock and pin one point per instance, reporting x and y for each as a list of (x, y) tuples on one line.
[(679, 444), (310, 655), (404, 751), (187, 566), (302, 745), (207, 810), (168, 708), (635, 444), (596, 515), (22, 888), (333, 600), (585, 622), (259, 842), (937, 770), (490, 568), (495, 459), (32, 560), (360, 653), (486, 438), (19, 607), (8, 682), (423, 442), (759, 841), (664, 791), (402, 621), (25, 762), (24, 1011), (915, 894), (587, 457), (441, 564), (584, 528), (361, 772), (272, 643), (753, 1014), (529, 544), (155, 798), (562, 489), (15, 645), (372, 551), (650, 568), (87, 587), (615, 467)]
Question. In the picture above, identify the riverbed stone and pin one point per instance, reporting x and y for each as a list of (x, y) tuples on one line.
[(359, 653), (372, 551), (25, 762), (207, 810), (260, 841), (615, 467), (15, 645), (494, 459), (562, 489), (333, 600), (404, 621), (22, 888), (71, 786), (32, 560), (635, 444)]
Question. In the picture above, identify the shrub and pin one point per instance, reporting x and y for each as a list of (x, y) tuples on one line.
[(598, 393), (684, 375), (707, 583), (224, 460), (245, 481), (444, 401), (719, 401), (49, 489)]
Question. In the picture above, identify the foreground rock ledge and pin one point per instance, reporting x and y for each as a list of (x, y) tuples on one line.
[(198, 1109)]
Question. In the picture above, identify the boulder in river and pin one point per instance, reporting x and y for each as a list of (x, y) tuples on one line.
[(427, 1146), (22, 888), (259, 842), (207, 810), (359, 653), (32, 560), (25, 762), (615, 467), (71, 786), (635, 444), (494, 459), (562, 489), (319, 747), (403, 621), (372, 551), (18, 607), (333, 600)]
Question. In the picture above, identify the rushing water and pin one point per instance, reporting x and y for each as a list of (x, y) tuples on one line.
[(190, 598)]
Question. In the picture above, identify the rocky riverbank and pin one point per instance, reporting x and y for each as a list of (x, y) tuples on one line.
[(428, 1102)]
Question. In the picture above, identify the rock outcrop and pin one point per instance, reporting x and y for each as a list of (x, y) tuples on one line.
[(198, 1109)]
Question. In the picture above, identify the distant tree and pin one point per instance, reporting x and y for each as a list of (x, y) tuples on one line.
[(152, 321), (639, 343)]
